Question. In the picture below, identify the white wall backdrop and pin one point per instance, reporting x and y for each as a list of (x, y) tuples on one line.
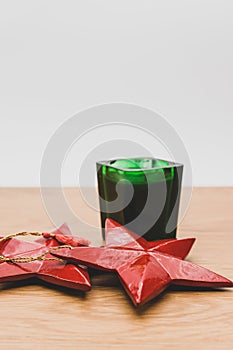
[(58, 57)]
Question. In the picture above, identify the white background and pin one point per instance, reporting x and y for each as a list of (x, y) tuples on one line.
[(58, 57)]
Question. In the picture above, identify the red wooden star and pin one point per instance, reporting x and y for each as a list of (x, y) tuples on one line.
[(145, 268), (52, 271)]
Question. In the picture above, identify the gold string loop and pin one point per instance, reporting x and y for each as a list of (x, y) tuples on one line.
[(24, 233), (25, 259), (41, 257)]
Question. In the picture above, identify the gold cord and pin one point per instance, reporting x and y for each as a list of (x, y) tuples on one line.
[(30, 259), (24, 233)]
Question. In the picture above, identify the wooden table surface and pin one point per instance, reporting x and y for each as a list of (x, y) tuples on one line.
[(40, 316)]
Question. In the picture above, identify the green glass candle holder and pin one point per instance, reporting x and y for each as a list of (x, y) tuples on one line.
[(142, 194)]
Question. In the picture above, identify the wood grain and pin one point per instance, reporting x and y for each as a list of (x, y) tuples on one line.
[(41, 316)]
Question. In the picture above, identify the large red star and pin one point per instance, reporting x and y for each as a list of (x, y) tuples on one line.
[(145, 268), (52, 271)]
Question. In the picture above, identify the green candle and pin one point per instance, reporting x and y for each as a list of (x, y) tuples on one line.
[(142, 194)]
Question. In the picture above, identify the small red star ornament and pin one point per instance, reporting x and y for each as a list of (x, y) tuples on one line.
[(144, 268), (53, 271)]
